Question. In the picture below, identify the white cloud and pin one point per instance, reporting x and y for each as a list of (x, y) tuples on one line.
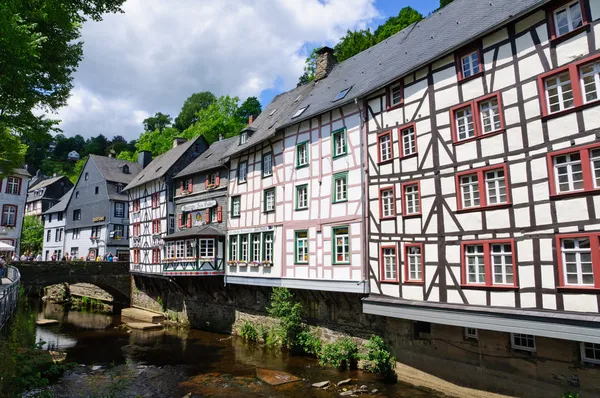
[(159, 52)]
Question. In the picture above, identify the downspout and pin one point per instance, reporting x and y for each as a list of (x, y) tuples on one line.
[(226, 240), (365, 202)]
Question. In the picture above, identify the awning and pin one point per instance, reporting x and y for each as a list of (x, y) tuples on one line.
[(5, 247), (203, 230)]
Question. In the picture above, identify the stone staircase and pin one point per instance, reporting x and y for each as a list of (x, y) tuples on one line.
[(135, 318)]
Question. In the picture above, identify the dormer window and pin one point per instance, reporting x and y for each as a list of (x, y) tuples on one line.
[(125, 169), (119, 188), (568, 18), (342, 94), (299, 112), (395, 95), (243, 137), (273, 111)]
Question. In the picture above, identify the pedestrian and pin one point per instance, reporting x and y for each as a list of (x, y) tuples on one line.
[(53, 256), (110, 257), (67, 257), (15, 257), (38, 257), (2, 268), (98, 258), (31, 257), (24, 256)]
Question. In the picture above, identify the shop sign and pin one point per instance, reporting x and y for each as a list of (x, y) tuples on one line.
[(199, 205)]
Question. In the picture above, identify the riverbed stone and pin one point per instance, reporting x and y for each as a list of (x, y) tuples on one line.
[(46, 322), (141, 315), (275, 377), (348, 394), (143, 326), (321, 384), (344, 382)]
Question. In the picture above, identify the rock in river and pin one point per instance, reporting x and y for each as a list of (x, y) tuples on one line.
[(321, 384)]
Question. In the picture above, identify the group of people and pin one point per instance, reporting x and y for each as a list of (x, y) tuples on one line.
[(27, 256), (32, 257)]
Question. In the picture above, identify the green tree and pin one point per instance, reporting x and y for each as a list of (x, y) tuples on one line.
[(310, 67), (156, 141), (191, 106), (96, 145), (74, 175), (353, 43), (159, 122), (32, 237), (444, 3), (39, 51), (128, 156), (250, 107), (220, 118), (406, 17), (12, 152)]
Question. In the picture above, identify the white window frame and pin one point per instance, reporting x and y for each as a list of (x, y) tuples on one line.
[(561, 82), (256, 247), (470, 187), (206, 248), (302, 154), (244, 248), (506, 267), (233, 248), (411, 199), (396, 94), (517, 346), (341, 188), (489, 111), (463, 118), (180, 249), (385, 147), (236, 206), (478, 265), (409, 141), (340, 144), (270, 200), (345, 246), (389, 263), (570, 22), (577, 251), (568, 165), (302, 197), (190, 250), (595, 166), (414, 257), (9, 215), (12, 185), (121, 213), (268, 240), (388, 208), (267, 164), (585, 358), (470, 68), (301, 247), (495, 181), (243, 172), (76, 233), (214, 216), (471, 333), (594, 73)]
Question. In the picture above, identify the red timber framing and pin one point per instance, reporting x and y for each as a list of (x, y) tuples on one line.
[(478, 127), (482, 187), (458, 57), (589, 175), (415, 252), (384, 251), (551, 10), (577, 264), (489, 268)]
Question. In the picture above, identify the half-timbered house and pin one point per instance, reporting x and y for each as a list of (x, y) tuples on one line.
[(151, 206), (13, 194), (197, 246)]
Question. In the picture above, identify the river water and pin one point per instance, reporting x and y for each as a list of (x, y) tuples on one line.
[(115, 362)]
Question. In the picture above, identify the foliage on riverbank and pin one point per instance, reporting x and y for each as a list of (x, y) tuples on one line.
[(291, 333)]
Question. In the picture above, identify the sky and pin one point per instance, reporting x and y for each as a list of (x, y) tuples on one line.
[(159, 52)]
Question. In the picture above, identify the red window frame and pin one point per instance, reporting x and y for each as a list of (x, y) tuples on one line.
[(136, 205), (155, 226), (574, 76), (406, 271), (2, 215), (382, 277), (476, 114), (487, 262), (136, 256), (482, 188), (379, 136), (136, 229), (552, 22), (155, 256), (381, 216), (20, 181), (401, 140), (458, 62), (586, 169), (595, 249), (155, 200), (388, 95), (403, 186)]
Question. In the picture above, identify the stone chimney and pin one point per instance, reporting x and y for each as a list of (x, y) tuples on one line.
[(220, 137), (325, 62), (144, 158), (178, 141), (250, 119)]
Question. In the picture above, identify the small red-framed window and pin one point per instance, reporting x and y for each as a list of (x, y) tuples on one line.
[(155, 256), (578, 260), (566, 18), (9, 215), (469, 63), (478, 118), (136, 205), (574, 170), (388, 261), (385, 147), (156, 226), (483, 188), (411, 199), (394, 95), (136, 256), (414, 264), (13, 185), (490, 263), (155, 200), (407, 137), (387, 203)]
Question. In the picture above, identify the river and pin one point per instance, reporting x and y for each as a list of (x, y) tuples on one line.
[(116, 362)]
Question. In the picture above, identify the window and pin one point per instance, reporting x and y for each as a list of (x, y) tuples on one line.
[(408, 141), (525, 342), (267, 164), (119, 231), (58, 235), (471, 333), (340, 187), (136, 255), (340, 145), (302, 197), (341, 94), (119, 209), (384, 145), (96, 190), (156, 226), (313, 310), (301, 255), (243, 137), (95, 233), (269, 200), (9, 215), (206, 248), (59, 216), (136, 205), (136, 229), (48, 235), (470, 65), (559, 92), (155, 256), (244, 248), (590, 352), (413, 262), (387, 203), (567, 18), (76, 194), (13, 185), (579, 260), (389, 264), (590, 81), (255, 255), (214, 216), (119, 188), (155, 200), (302, 154), (242, 172), (299, 112), (412, 199), (477, 118), (481, 188), (189, 249), (76, 214), (268, 247), (179, 249), (489, 263), (233, 247), (341, 245), (236, 204), (395, 95), (575, 170), (74, 252), (86, 176), (75, 233)]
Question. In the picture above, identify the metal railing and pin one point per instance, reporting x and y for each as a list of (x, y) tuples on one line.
[(9, 295)]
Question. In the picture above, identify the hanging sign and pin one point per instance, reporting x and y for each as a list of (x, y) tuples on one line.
[(199, 205)]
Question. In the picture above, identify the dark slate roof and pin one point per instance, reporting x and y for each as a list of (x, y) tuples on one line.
[(275, 115), (22, 172), (110, 168), (62, 204), (441, 33), (203, 230), (214, 156), (161, 164), (114, 195)]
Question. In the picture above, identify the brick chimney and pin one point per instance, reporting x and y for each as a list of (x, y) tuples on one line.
[(250, 119), (325, 62), (178, 141)]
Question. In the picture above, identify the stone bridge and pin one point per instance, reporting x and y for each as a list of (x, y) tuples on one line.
[(111, 277)]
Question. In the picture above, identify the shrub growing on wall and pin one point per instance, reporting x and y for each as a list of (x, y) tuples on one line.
[(342, 354), (378, 359)]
